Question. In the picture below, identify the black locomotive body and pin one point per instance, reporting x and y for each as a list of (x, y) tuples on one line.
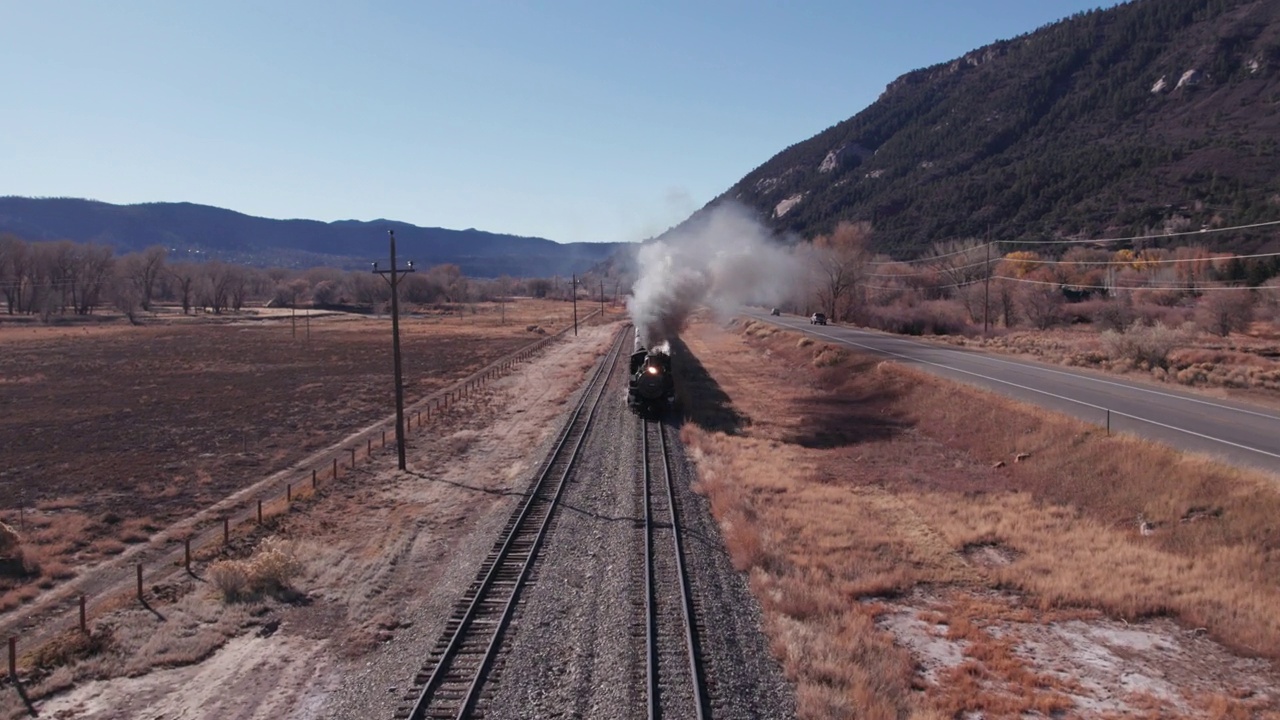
[(650, 389)]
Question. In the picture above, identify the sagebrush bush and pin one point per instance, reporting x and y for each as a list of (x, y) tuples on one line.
[(274, 566), (828, 356), (270, 570), (231, 578), (1143, 344)]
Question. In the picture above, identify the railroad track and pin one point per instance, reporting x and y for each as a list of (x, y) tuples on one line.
[(675, 678), (452, 684)]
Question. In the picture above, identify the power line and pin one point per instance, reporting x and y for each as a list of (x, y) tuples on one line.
[(1085, 241), (1202, 231), (1142, 260)]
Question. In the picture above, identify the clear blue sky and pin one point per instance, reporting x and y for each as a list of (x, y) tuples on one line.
[(575, 121)]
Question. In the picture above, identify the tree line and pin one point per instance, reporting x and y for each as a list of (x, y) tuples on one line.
[(961, 284), (61, 277)]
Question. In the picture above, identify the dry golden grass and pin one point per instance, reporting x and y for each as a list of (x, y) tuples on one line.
[(861, 479), (1243, 361)]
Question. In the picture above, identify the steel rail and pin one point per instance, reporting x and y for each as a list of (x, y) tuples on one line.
[(591, 395), (697, 681), (686, 593)]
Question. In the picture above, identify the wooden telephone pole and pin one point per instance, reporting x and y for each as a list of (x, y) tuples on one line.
[(393, 276)]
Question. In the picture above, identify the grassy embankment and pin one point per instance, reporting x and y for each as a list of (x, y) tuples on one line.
[(838, 479)]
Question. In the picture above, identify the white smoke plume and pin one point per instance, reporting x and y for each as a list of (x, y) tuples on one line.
[(722, 261)]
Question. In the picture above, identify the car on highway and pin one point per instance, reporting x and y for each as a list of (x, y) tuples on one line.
[(818, 319), (775, 312)]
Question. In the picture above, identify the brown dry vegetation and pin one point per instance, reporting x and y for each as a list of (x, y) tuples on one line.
[(838, 480), (330, 572), (123, 429), (1240, 362)]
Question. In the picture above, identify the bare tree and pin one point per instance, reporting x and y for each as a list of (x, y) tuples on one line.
[(1042, 305), (840, 260), (124, 291), (184, 276), (960, 264), (449, 277), (239, 282), (216, 285), (1223, 312), (369, 289), (146, 270), (95, 273), (539, 287), (14, 267), (289, 294)]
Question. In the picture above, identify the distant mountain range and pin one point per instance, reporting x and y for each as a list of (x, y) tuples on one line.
[(202, 232), (1152, 115)]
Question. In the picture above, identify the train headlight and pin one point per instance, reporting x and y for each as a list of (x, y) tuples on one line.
[(653, 370)]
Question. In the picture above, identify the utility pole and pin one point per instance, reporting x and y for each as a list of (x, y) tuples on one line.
[(573, 288), (393, 276), (986, 286), (602, 298)]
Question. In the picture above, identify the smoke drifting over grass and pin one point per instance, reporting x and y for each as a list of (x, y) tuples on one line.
[(723, 261)]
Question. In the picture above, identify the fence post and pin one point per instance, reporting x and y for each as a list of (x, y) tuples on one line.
[(259, 511), (335, 468), (288, 492), (353, 456), (1108, 422), (368, 450), (313, 478), (140, 584), (226, 531), (84, 625), (13, 658)]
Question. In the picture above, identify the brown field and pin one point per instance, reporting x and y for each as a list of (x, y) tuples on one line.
[(324, 584), (112, 432), (922, 549)]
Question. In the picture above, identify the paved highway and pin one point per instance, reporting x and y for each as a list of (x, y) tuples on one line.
[(1237, 432)]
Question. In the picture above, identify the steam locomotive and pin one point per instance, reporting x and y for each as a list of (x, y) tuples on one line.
[(650, 390)]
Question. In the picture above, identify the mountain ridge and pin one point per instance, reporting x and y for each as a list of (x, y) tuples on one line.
[(1153, 115), (205, 231)]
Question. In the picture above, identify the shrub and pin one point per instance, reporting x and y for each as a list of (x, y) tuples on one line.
[(231, 578), (1169, 316), (274, 566), (931, 317), (1222, 312), (1143, 344), (828, 356), (270, 570), (1112, 314), (10, 541)]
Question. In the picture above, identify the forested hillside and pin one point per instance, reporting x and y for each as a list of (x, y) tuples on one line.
[(1150, 116)]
